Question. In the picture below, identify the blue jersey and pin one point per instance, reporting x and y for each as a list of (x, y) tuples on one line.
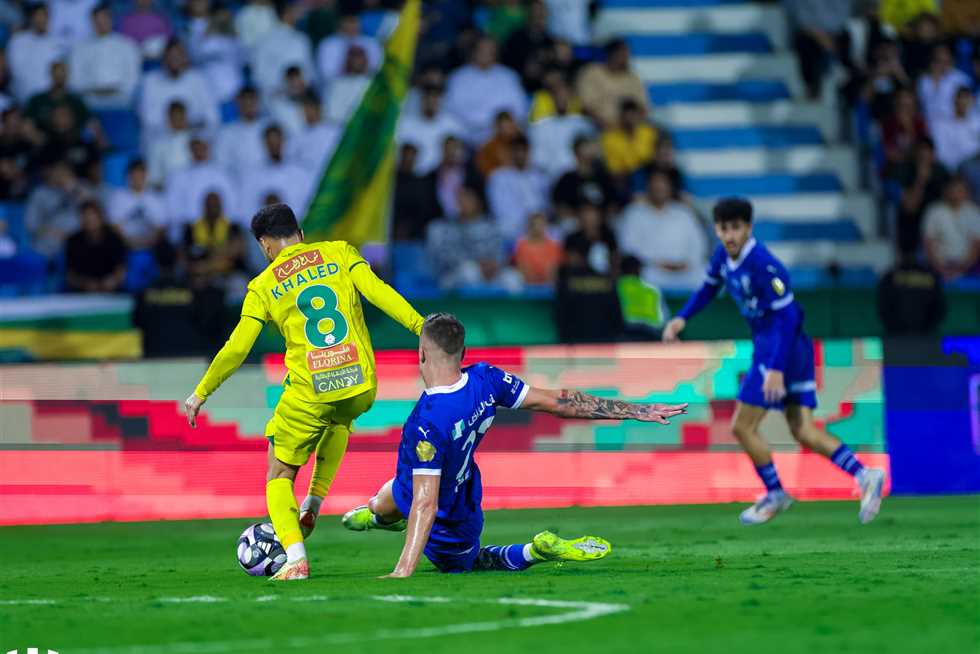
[(760, 286), (442, 433)]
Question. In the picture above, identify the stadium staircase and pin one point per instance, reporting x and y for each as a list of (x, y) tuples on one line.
[(724, 82)]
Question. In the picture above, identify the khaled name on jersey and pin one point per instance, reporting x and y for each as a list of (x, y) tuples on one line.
[(295, 265), (339, 379)]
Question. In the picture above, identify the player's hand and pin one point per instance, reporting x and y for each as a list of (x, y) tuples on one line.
[(192, 406), (661, 413), (396, 574), (674, 327), (774, 387)]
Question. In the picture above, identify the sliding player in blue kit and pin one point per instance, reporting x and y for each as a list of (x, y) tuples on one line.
[(782, 372), (437, 492)]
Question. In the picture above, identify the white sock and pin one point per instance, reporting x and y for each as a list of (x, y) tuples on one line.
[(527, 554), (311, 503), (295, 552)]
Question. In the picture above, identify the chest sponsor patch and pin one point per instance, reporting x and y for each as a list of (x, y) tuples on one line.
[(425, 451), (332, 357), (335, 380), (301, 261)]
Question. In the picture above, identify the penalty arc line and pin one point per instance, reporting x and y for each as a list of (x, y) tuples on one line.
[(575, 612)]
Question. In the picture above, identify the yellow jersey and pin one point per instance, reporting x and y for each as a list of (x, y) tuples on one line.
[(311, 291)]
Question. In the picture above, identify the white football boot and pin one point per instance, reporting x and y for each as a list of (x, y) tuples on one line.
[(766, 508), (872, 484)]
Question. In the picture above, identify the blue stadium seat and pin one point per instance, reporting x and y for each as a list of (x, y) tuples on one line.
[(674, 45), (756, 90), (767, 184), (771, 230), (122, 127), (665, 4), (229, 111), (114, 167), (13, 213), (412, 275), (746, 137)]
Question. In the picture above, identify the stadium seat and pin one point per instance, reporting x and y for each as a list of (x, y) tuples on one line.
[(122, 127), (413, 276), (114, 167), (13, 214)]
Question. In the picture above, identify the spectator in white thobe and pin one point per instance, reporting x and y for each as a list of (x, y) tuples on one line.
[(279, 49), (666, 236), (286, 104), (427, 130), (938, 85), (186, 188), (239, 145), (218, 54), (477, 92), (553, 138), (345, 91), (171, 150), (140, 213), (71, 20), (331, 54), (276, 176), (254, 21), (312, 146), (175, 81), (106, 68), (957, 137), (30, 54), (515, 191)]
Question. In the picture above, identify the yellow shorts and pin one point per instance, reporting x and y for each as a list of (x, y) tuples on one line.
[(297, 426)]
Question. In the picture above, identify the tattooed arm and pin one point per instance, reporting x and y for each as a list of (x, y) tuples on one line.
[(568, 403)]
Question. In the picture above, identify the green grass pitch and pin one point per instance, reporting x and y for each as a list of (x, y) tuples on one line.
[(681, 579)]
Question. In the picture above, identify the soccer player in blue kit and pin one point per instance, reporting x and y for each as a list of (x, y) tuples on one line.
[(436, 493), (782, 372)]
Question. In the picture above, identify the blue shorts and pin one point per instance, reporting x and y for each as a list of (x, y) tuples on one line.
[(453, 547), (799, 377)]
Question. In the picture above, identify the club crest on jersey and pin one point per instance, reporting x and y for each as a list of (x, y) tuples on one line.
[(778, 286), (332, 357), (293, 265), (425, 451)]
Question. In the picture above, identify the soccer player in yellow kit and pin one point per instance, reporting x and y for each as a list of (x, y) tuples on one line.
[(311, 291)]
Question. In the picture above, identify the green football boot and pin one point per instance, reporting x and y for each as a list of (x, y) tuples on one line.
[(361, 519), (547, 546)]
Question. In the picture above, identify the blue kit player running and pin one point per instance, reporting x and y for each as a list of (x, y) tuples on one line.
[(437, 492), (782, 372)]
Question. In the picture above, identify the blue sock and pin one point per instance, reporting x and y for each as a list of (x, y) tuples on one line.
[(769, 477), (844, 459), (503, 557)]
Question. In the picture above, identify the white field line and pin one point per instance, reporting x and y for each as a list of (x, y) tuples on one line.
[(570, 612)]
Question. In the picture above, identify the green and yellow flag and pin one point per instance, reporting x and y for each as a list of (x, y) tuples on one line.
[(351, 200)]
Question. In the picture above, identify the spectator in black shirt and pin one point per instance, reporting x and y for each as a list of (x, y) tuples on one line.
[(593, 245), (95, 256), (910, 298), (589, 183), (530, 49), (922, 181), (415, 202)]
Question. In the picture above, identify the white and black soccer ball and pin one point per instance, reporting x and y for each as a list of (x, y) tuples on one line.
[(259, 551)]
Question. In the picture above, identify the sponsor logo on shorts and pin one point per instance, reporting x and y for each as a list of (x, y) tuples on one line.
[(293, 265), (332, 357), (335, 380)]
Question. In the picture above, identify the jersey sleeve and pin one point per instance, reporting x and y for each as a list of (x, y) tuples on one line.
[(253, 306), (508, 389), (425, 447), (709, 287)]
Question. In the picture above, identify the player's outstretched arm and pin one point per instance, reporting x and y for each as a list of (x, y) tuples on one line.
[(385, 298), (228, 359), (425, 504), (569, 403)]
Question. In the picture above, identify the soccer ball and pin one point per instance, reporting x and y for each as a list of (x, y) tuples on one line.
[(259, 551)]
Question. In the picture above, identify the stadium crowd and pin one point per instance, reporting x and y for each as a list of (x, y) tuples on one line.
[(138, 138)]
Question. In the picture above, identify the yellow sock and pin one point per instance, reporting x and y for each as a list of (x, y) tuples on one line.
[(329, 453), (283, 511)]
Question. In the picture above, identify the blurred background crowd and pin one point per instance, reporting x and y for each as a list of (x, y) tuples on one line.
[(138, 137)]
